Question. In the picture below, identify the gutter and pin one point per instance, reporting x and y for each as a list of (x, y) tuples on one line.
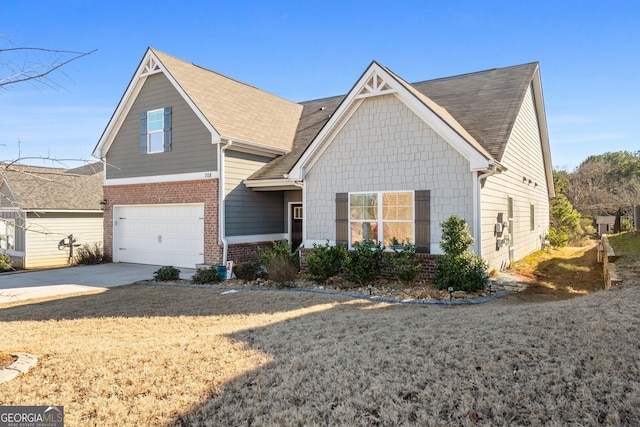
[(221, 205)]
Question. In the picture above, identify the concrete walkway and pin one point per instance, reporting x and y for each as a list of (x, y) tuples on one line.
[(24, 285)]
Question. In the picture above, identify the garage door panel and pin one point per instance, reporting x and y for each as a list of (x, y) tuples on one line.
[(160, 234)]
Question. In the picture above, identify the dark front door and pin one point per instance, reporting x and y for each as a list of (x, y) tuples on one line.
[(296, 225)]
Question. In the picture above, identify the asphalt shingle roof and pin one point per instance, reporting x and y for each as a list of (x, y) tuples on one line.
[(236, 109), (36, 187), (485, 104)]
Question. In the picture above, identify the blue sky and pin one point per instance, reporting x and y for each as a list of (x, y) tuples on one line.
[(589, 54)]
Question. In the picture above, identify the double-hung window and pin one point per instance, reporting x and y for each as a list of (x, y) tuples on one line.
[(7, 234), (155, 131), (386, 217)]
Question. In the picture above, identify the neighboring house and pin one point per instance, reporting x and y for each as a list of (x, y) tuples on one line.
[(605, 224), (42, 206), (203, 168)]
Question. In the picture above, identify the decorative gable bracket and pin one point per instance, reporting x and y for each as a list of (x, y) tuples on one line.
[(375, 86), (151, 66)]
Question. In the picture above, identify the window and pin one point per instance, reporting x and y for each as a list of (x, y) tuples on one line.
[(532, 217), (155, 131), (7, 234), (385, 217)]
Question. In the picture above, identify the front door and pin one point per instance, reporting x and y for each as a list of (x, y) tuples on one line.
[(296, 225)]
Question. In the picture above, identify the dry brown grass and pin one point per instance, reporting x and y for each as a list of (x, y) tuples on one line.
[(160, 356)]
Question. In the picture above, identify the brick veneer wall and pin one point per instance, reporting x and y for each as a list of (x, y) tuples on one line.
[(244, 252), (201, 191), (428, 265)]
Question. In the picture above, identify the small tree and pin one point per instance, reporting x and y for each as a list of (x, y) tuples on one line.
[(459, 268)]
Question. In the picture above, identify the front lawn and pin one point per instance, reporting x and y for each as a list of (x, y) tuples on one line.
[(150, 355)]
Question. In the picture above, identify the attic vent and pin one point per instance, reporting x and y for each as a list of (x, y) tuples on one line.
[(376, 85)]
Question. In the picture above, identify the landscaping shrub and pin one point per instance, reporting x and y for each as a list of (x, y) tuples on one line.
[(324, 261), (459, 268), (206, 275), (403, 263), (249, 270), (558, 237), (281, 264), (5, 262), (282, 271), (279, 249), (364, 262), (90, 254), (168, 272)]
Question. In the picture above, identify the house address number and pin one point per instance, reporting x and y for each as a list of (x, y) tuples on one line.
[(208, 175)]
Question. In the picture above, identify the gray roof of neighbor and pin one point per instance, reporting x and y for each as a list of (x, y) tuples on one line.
[(485, 104), (46, 188)]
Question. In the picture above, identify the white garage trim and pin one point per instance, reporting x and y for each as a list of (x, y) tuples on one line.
[(162, 234)]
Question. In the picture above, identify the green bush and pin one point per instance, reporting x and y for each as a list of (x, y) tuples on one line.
[(326, 261), (5, 262), (91, 254), (279, 249), (558, 237), (168, 272), (364, 262), (459, 268), (249, 270), (206, 275), (403, 263)]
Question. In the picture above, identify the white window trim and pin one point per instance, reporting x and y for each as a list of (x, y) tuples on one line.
[(380, 219), (8, 223), (150, 132)]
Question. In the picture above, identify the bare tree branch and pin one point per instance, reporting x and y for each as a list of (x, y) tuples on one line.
[(38, 71)]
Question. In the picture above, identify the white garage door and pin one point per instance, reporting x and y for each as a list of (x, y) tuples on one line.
[(159, 234)]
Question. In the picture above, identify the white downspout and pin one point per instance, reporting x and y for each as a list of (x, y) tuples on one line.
[(221, 199), (477, 214)]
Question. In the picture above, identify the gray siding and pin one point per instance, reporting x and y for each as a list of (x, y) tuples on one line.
[(249, 212), (524, 162), (192, 150), (7, 200), (386, 147)]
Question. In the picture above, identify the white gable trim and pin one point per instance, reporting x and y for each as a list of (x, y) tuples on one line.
[(544, 132), (149, 65), (377, 81)]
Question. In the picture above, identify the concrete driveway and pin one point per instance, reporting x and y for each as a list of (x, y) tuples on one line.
[(26, 285)]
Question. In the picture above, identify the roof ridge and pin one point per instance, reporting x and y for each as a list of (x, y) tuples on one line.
[(475, 72)]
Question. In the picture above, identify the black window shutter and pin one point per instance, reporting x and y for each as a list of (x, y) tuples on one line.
[(342, 218), (167, 129), (423, 221), (143, 132)]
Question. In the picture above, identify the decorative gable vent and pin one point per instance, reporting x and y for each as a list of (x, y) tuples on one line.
[(375, 86), (152, 66)]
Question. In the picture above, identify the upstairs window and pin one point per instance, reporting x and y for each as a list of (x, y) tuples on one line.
[(155, 131)]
